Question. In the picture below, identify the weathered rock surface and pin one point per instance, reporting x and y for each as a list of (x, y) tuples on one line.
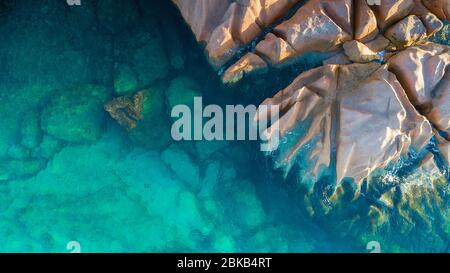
[(406, 32), (247, 64), (365, 22), (317, 26), (375, 124), (359, 53), (439, 7), (153, 129), (225, 25), (357, 114), (424, 72)]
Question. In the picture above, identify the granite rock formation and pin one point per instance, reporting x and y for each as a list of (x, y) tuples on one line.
[(358, 102), (315, 26), (225, 25), (328, 108)]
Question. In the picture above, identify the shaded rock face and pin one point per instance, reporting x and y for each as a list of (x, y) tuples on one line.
[(225, 25)]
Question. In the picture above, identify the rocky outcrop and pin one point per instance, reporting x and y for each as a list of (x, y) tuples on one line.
[(250, 63), (359, 53), (424, 72), (317, 26), (326, 117), (75, 115), (152, 130), (224, 25), (326, 105)]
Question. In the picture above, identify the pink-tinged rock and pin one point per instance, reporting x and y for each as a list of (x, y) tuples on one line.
[(359, 53), (357, 114), (406, 32), (339, 58), (365, 21), (248, 63), (269, 11), (225, 25), (420, 69), (391, 11), (275, 49), (440, 112), (424, 72), (203, 16), (444, 148), (318, 26), (428, 167), (430, 20), (439, 7), (378, 44)]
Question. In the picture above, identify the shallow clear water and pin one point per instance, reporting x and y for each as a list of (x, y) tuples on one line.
[(110, 192)]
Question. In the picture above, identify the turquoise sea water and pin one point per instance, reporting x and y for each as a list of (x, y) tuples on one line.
[(68, 172)]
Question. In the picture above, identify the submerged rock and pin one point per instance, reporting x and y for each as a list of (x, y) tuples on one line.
[(247, 64), (48, 147), (18, 168), (183, 166), (317, 26), (153, 130), (75, 115), (182, 91), (30, 131), (127, 110), (140, 60), (425, 75)]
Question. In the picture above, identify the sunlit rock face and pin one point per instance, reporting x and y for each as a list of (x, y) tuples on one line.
[(424, 71), (226, 25), (359, 115)]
